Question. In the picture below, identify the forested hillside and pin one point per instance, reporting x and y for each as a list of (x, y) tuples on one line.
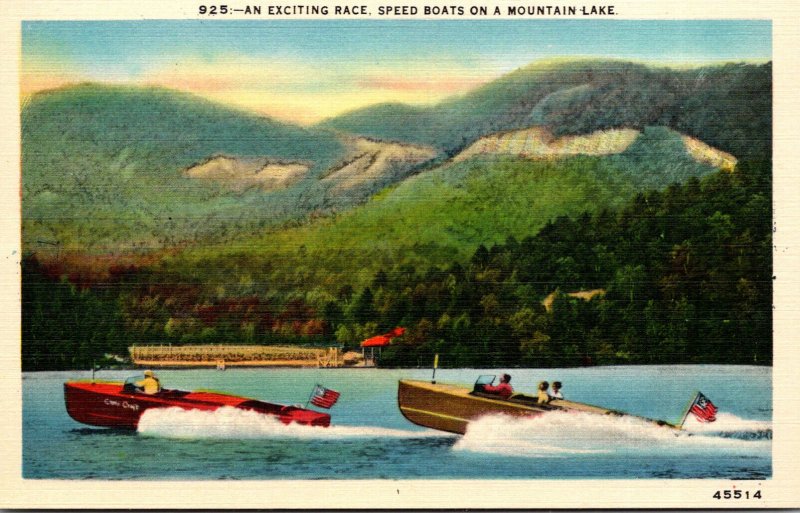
[(103, 168), (686, 274), (438, 217), (672, 236)]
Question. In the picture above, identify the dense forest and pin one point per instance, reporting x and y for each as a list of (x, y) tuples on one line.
[(685, 275)]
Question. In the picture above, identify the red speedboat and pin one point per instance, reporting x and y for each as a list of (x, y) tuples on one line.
[(121, 405)]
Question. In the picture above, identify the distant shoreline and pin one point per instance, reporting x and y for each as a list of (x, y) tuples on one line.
[(134, 367)]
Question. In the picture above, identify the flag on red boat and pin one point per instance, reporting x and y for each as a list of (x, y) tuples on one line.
[(324, 397), (703, 409)]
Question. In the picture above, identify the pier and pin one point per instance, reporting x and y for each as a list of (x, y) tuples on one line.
[(222, 356)]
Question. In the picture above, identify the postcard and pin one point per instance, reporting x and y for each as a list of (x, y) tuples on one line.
[(399, 255)]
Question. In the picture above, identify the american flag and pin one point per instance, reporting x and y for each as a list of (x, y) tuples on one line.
[(324, 397), (703, 409)]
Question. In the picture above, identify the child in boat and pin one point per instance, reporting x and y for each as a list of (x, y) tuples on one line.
[(556, 394), (149, 384), (543, 397), (503, 389)]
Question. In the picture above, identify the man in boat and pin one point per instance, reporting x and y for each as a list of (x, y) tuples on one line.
[(150, 384), (503, 389)]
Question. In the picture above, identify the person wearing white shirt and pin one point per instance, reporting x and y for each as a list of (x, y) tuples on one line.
[(556, 394)]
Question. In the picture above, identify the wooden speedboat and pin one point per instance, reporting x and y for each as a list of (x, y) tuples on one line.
[(451, 408), (120, 405)]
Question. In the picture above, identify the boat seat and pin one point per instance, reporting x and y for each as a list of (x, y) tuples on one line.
[(170, 393), (522, 398), (527, 400)]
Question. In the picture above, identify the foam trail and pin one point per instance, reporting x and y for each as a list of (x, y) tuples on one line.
[(570, 433), (726, 422), (234, 423), (730, 426)]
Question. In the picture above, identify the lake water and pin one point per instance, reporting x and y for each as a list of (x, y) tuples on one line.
[(370, 439)]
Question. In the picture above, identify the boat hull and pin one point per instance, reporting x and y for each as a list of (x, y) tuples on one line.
[(109, 405), (451, 408)]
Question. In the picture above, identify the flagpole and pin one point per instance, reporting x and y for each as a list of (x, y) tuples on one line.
[(688, 409), (312, 394)]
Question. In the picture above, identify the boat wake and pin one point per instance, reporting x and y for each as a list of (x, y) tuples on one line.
[(234, 423), (570, 433), (731, 426)]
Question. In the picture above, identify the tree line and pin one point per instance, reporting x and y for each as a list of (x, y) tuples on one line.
[(685, 276)]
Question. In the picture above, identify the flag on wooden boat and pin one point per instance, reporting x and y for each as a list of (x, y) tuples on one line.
[(324, 397), (703, 409)]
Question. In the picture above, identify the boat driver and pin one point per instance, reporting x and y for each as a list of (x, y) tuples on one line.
[(150, 384), (503, 389)]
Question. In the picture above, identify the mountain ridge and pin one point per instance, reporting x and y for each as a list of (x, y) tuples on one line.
[(723, 105), (107, 167)]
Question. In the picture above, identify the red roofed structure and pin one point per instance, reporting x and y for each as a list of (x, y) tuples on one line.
[(380, 341)]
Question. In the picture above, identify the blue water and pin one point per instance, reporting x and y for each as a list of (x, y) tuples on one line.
[(370, 439)]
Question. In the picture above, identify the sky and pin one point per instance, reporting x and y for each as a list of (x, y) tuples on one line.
[(305, 71)]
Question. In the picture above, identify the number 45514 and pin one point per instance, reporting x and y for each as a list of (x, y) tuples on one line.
[(737, 494)]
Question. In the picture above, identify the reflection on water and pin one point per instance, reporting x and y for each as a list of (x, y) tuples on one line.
[(102, 432)]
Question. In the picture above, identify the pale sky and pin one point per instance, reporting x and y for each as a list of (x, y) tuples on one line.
[(305, 71)]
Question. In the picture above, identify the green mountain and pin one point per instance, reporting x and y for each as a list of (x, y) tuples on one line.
[(122, 169), (726, 106), (438, 217), (557, 176), (105, 168)]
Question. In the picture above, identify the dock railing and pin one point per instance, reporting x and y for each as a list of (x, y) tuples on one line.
[(222, 355)]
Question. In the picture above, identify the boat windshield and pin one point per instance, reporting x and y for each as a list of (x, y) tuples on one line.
[(133, 379), (485, 379), (482, 381), (130, 385)]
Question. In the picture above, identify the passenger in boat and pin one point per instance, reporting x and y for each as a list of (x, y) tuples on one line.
[(543, 397), (150, 384), (556, 394), (503, 389)]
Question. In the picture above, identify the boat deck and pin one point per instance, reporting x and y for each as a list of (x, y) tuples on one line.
[(451, 407)]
